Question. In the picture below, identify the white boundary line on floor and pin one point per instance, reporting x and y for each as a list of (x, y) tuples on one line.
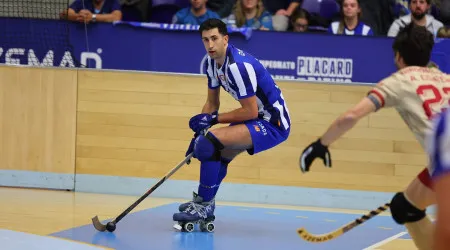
[(383, 242)]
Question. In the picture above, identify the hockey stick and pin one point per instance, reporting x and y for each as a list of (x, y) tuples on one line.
[(111, 226), (329, 236)]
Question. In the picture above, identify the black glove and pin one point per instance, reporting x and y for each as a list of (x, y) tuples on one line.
[(314, 150)]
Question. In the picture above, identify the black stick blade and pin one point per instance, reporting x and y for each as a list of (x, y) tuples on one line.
[(98, 225)]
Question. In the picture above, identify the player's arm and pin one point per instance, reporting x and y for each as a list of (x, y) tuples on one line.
[(385, 94), (247, 111), (350, 118), (212, 101)]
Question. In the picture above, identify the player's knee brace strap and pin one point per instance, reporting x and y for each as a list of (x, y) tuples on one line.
[(207, 148), (403, 211)]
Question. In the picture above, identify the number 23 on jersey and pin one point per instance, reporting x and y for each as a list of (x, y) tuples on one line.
[(438, 99)]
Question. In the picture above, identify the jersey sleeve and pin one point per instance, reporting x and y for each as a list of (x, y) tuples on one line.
[(244, 77), (388, 91), (439, 145), (209, 72)]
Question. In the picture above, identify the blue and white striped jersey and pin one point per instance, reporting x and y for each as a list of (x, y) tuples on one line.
[(439, 145), (242, 76), (360, 30)]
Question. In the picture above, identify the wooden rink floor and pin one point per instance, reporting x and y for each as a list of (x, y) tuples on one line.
[(46, 212)]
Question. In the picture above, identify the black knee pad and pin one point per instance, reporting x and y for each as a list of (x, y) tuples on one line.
[(208, 148), (403, 211)]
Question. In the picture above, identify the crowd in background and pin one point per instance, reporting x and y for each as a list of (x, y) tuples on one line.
[(345, 17)]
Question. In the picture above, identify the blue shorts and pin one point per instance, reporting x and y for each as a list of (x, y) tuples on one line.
[(265, 135)]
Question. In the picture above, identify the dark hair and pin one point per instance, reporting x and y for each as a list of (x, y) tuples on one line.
[(428, 1), (299, 13), (414, 43), (213, 23)]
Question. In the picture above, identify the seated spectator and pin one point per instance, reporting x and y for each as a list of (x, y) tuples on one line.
[(195, 15), (418, 15), (299, 20), (94, 11), (350, 23), (281, 11), (251, 14)]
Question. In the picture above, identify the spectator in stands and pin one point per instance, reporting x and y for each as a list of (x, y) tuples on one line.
[(281, 11), (251, 14), (419, 10), (94, 11), (196, 14), (299, 20), (222, 7), (350, 23)]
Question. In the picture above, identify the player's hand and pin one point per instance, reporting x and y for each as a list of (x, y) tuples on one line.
[(203, 121), (314, 150)]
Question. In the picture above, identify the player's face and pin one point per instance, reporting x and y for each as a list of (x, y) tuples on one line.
[(198, 4), (351, 8), (419, 8), (215, 43), (249, 4)]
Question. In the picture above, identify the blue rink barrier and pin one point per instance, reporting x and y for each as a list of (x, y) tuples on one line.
[(179, 49)]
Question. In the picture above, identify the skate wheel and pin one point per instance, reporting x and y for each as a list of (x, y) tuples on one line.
[(178, 227), (189, 227), (210, 227)]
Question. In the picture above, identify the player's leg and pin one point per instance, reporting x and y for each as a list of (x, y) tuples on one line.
[(409, 208), (227, 155), (254, 136), (208, 150)]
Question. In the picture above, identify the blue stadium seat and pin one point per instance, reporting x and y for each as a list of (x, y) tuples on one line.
[(327, 9), (312, 6), (162, 11)]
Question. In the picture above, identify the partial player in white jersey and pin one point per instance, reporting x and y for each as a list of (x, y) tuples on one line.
[(438, 145), (262, 122), (418, 93)]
